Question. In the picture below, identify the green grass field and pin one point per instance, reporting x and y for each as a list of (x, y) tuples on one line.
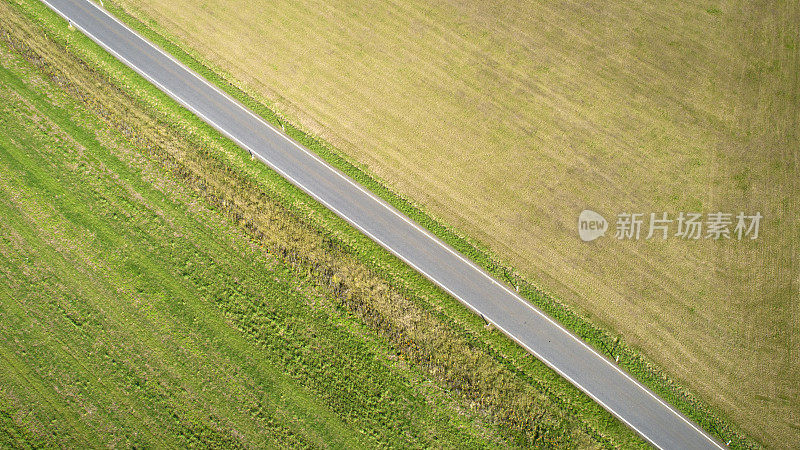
[(159, 288), (505, 120)]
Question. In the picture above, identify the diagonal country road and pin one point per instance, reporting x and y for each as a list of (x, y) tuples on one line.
[(601, 379)]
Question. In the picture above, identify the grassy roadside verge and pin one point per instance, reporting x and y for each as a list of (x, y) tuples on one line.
[(602, 340)]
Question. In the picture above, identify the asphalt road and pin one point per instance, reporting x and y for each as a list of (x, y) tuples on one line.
[(594, 374)]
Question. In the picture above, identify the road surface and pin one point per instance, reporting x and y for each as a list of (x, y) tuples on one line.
[(594, 374)]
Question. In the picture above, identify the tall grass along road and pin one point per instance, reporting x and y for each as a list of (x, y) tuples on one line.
[(601, 379)]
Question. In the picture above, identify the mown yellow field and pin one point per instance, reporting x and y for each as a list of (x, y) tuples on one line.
[(507, 119)]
